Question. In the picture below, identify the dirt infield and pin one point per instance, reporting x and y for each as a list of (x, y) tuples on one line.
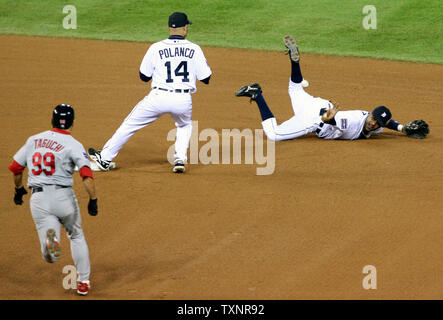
[(221, 231)]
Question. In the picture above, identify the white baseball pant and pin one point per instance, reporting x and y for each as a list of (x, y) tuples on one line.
[(55, 206), (306, 115), (149, 109)]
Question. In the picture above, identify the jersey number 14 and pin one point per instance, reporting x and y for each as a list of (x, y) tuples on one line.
[(180, 71)]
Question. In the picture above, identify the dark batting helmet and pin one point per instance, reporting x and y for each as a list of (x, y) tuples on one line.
[(63, 116)]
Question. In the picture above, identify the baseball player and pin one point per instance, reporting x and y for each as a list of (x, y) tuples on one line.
[(313, 114), (173, 64), (51, 157)]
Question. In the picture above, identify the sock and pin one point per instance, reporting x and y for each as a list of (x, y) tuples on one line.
[(265, 112), (296, 76)]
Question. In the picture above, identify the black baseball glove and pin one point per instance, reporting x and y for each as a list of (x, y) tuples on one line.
[(417, 129), (92, 207), (18, 195)]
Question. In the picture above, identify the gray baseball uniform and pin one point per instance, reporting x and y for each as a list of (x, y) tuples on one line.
[(51, 157)]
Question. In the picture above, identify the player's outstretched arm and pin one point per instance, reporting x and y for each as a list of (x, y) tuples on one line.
[(89, 185), (417, 129)]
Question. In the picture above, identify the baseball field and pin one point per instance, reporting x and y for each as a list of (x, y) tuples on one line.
[(332, 219)]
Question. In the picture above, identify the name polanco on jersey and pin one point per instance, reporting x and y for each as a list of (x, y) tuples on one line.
[(177, 52)]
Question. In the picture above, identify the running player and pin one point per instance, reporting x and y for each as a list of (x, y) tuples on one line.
[(51, 157)]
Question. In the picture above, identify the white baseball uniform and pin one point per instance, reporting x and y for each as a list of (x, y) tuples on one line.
[(51, 157), (307, 118), (349, 126), (174, 64)]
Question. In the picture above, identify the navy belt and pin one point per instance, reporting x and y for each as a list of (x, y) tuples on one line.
[(40, 189), (319, 127), (175, 90)]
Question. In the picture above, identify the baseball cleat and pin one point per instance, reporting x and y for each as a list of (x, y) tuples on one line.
[(251, 91), (94, 166), (179, 166), (96, 156), (52, 245), (83, 287), (291, 45)]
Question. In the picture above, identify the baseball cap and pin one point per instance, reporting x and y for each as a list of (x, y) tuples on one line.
[(382, 115), (178, 19)]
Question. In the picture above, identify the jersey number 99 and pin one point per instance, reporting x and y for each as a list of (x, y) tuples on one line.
[(48, 161), (178, 73)]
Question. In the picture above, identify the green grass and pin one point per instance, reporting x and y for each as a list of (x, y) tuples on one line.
[(409, 30)]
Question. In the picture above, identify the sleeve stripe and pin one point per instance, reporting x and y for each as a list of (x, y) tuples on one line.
[(16, 168), (85, 172)]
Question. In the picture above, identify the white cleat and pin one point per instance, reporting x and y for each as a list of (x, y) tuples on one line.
[(83, 287), (100, 164), (94, 166), (179, 167)]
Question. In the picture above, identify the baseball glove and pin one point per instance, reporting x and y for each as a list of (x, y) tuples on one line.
[(92, 207), (18, 195), (417, 129)]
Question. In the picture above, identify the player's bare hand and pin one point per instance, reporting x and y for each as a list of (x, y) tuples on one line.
[(92, 207), (18, 195), (330, 114)]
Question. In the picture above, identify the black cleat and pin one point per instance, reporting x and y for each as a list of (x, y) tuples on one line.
[(96, 156), (250, 91)]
